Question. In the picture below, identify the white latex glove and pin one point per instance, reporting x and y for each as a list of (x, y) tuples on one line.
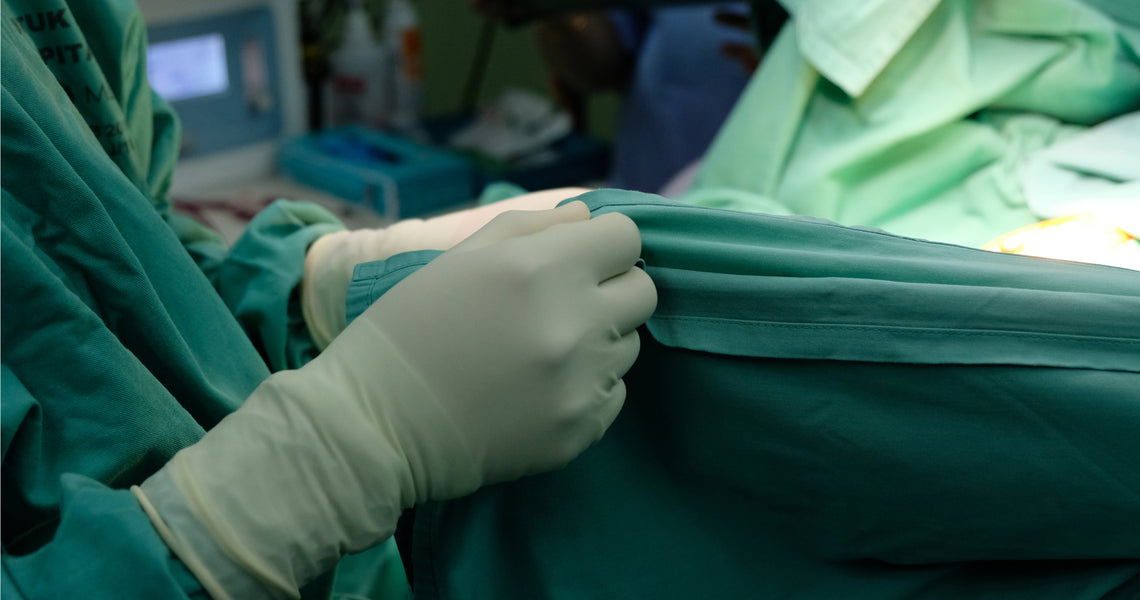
[(331, 258), (501, 358)]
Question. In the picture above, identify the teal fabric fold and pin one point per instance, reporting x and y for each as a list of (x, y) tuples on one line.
[(371, 280), (821, 411)]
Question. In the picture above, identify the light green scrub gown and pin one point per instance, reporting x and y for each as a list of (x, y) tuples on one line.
[(822, 411), (127, 330), (915, 116)]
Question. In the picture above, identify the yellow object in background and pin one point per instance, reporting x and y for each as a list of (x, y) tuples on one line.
[(1082, 238)]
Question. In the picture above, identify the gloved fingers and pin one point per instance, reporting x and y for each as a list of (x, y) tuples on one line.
[(612, 403), (624, 355), (519, 223), (629, 298), (612, 396), (609, 395), (607, 245)]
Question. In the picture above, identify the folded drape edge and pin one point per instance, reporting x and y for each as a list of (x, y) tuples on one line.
[(888, 344)]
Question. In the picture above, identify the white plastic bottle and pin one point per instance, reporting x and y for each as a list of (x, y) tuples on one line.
[(357, 89), (405, 42)]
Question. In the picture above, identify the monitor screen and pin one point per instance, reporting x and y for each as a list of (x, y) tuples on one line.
[(189, 67)]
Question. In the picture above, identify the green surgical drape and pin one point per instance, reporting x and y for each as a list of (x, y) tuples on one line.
[(822, 411)]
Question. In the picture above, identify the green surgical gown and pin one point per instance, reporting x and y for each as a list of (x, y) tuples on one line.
[(822, 411), (915, 117), (127, 330)]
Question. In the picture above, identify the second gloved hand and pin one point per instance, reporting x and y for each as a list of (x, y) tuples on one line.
[(331, 259), (501, 358)]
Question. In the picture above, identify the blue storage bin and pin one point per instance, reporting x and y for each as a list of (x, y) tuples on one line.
[(394, 176)]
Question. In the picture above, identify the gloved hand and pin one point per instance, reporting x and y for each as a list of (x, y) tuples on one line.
[(501, 358), (331, 259)]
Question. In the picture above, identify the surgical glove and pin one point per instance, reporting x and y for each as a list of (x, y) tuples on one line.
[(331, 259), (501, 358)]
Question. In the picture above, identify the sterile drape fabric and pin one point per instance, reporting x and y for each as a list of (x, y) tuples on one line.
[(822, 411)]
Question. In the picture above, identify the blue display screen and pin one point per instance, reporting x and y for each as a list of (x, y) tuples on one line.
[(189, 67), (220, 73)]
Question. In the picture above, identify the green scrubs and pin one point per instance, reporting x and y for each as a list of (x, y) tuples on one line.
[(822, 411), (916, 117), (127, 330), (912, 116)]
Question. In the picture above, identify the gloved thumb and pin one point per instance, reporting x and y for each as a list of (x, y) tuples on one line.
[(519, 223)]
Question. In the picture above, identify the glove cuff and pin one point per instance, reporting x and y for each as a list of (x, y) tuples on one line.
[(279, 491), (328, 271), (221, 576)]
